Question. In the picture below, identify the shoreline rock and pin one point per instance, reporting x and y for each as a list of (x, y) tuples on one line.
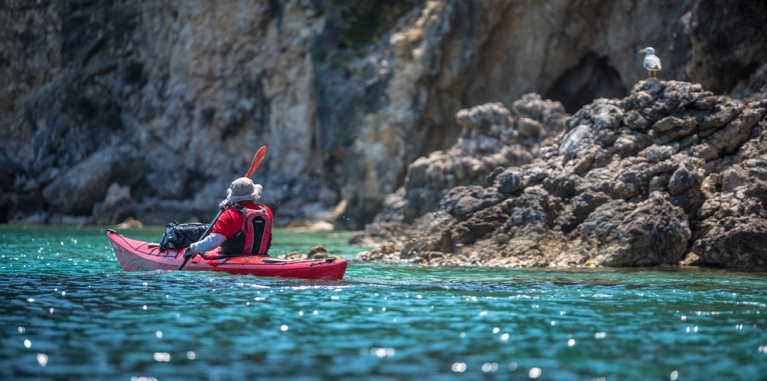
[(667, 173)]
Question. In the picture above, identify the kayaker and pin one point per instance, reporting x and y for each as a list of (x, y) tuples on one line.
[(245, 228)]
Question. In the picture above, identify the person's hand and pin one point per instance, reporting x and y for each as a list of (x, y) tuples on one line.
[(223, 203), (188, 253)]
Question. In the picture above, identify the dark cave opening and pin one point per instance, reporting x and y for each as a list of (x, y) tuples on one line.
[(591, 78)]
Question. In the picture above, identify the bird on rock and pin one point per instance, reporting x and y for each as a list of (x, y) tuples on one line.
[(651, 62)]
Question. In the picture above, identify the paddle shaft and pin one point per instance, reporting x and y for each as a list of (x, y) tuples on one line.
[(204, 234)]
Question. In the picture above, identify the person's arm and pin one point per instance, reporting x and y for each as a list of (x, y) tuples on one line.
[(210, 242)]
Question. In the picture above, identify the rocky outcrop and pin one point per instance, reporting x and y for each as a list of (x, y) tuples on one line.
[(117, 207), (196, 87), (77, 191), (462, 53), (671, 172), (492, 138)]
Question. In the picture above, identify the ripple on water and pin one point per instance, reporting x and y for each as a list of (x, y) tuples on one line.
[(83, 316)]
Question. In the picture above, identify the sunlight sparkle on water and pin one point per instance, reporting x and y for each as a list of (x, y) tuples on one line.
[(382, 352), (458, 367), (489, 367), (42, 359)]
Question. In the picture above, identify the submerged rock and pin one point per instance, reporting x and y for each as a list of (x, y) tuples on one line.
[(667, 172)]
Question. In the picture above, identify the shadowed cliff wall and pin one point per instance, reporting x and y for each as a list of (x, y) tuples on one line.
[(186, 91)]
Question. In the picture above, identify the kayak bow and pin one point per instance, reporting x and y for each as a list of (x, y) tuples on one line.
[(136, 255)]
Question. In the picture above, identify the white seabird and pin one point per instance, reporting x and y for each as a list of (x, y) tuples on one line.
[(651, 62)]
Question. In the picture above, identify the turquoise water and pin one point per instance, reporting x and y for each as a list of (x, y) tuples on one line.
[(70, 312)]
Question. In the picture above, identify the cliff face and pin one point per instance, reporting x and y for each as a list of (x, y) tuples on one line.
[(670, 173), (170, 99), (188, 90)]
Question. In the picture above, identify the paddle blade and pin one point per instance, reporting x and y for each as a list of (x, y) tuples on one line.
[(256, 161)]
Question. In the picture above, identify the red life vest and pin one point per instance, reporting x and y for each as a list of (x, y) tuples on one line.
[(255, 236)]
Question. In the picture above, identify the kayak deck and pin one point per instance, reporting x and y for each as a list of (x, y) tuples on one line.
[(135, 255)]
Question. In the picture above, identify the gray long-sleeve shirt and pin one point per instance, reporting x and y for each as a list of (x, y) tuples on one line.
[(209, 243)]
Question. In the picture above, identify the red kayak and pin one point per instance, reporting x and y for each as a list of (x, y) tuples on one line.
[(143, 256)]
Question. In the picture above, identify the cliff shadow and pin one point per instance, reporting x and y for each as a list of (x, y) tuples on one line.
[(593, 77)]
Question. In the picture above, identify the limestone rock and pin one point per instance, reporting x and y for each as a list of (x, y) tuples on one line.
[(739, 242), (301, 223), (129, 223), (195, 87), (76, 191), (492, 137), (605, 194), (117, 206), (322, 226), (653, 232), (318, 252)]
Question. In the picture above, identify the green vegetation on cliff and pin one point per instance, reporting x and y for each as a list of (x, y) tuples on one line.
[(364, 21)]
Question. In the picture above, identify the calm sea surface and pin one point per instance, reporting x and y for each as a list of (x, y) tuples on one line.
[(70, 312)]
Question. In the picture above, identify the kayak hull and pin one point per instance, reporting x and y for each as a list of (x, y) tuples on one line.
[(136, 255)]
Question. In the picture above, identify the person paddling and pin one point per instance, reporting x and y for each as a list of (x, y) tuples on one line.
[(243, 228)]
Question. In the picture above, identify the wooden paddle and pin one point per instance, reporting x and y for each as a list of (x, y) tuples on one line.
[(253, 165)]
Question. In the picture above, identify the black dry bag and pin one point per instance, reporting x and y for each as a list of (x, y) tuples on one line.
[(179, 236)]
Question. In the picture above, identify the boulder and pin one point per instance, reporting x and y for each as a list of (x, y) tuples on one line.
[(318, 252), (129, 223), (650, 233), (301, 223), (117, 206), (736, 242), (322, 226), (77, 191)]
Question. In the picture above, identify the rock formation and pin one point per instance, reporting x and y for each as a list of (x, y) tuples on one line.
[(669, 173), (195, 87), (492, 137)]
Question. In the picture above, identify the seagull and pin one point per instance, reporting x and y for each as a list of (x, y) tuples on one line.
[(651, 62)]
